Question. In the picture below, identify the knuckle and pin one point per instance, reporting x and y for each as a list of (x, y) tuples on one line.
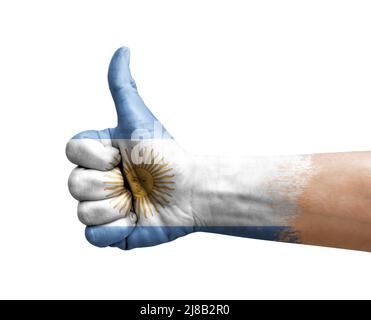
[(71, 150), (75, 183), (83, 212)]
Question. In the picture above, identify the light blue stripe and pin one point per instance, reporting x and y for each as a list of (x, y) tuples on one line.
[(120, 133), (127, 238)]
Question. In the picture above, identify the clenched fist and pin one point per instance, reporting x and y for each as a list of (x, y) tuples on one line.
[(131, 180)]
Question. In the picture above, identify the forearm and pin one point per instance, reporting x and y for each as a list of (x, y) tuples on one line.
[(320, 199)]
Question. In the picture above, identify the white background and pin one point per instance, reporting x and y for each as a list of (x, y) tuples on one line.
[(249, 77)]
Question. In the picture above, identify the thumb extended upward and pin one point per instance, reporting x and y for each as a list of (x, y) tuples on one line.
[(132, 113)]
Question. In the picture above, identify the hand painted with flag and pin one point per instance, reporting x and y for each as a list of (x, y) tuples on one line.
[(136, 187), (130, 180)]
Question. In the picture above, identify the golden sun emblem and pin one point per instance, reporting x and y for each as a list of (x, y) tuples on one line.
[(151, 182), (114, 185)]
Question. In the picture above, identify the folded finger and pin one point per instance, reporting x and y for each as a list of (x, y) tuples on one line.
[(108, 234), (88, 184), (93, 150), (92, 213)]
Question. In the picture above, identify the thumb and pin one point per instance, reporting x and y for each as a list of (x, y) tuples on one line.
[(119, 76), (132, 113)]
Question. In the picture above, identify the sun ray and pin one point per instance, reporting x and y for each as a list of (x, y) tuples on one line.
[(165, 182), (159, 167), (157, 194), (164, 177), (162, 172), (114, 194), (149, 166), (114, 175), (115, 183), (146, 208), (162, 191), (120, 198), (149, 161), (113, 180), (143, 207), (138, 205), (114, 188), (123, 201), (157, 200), (153, 203)]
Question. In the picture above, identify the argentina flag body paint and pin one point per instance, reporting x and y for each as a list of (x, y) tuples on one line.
[(154, 192)]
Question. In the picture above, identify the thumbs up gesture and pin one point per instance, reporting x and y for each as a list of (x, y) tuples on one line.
[(136, 187), (131, 180)]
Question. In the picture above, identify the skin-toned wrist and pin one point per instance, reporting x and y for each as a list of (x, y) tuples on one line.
[(335, 205)]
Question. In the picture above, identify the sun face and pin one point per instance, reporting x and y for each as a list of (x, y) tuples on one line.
[(151, 182), (114, 186)]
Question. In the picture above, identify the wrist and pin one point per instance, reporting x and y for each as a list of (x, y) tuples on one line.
[(246, 191)]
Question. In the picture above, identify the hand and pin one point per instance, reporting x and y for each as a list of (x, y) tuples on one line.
[(138, 188), (131, 181)]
